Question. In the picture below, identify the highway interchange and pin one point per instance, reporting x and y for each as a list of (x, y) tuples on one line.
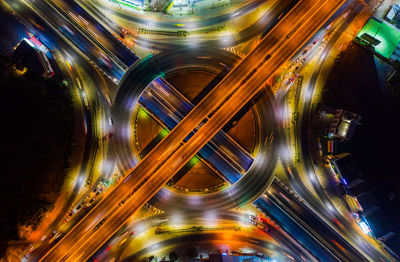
[(245, 80)]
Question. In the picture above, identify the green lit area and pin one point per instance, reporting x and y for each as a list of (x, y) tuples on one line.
[(387, 34), (143, 113), (194, 160), (164, 132), (129, 5)]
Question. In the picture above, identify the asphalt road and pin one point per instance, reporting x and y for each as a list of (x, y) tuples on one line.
[(193, 22), (215, 152), (172, 153), (286, 243), (342, 250), (323, 201), (56, 43), (164, 97), (80, 39), (261, 27), (166, 200), (83, 20)]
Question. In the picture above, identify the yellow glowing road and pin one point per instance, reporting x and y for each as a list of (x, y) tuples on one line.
[(171, 154)]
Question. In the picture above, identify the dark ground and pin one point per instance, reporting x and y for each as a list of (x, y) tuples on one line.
[(354, 85), (37, 129)]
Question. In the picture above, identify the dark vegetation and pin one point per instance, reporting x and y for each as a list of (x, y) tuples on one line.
[(192, 252), (354, 85), (37, 139), (173, 256)]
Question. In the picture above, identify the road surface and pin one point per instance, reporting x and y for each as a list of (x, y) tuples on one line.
[(155, 169)]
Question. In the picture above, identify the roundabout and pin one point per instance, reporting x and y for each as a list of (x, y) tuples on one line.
[(246, 185), (185, 108)]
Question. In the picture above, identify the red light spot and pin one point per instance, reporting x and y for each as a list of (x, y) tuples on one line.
[(338, 245)]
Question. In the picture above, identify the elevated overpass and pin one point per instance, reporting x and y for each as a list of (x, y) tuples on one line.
[(236, 89)]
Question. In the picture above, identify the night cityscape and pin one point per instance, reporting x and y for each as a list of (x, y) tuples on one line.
[(200, 130)]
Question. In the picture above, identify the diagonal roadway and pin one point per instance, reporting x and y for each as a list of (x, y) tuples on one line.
[(218, 107), (240, 74), (172, 100), (222, 152), (301, 213)]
